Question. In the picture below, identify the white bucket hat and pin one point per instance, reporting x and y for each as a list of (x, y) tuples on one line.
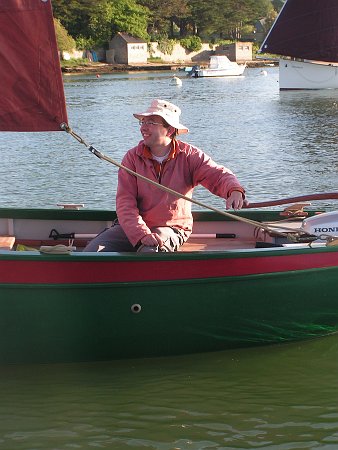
[(169, 112)]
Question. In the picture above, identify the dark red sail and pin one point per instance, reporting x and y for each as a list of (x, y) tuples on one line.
[(306, 29), (31, 87)]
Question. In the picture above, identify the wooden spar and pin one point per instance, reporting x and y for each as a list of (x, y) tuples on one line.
[(300, 198), (57, 236)]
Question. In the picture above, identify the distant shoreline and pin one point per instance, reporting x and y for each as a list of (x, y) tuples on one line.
[(101, 68)]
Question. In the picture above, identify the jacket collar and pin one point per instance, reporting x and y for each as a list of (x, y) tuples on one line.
[(143, 150)]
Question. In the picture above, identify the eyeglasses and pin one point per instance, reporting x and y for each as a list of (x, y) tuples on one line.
[(149, 122)]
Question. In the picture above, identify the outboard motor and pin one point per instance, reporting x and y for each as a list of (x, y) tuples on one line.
[(325, 224), (194, 73)]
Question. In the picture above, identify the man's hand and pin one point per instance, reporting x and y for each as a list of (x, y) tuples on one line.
[(235, 200), (152, 240)]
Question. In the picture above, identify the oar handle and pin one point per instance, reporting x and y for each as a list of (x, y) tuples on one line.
[(300, 198)]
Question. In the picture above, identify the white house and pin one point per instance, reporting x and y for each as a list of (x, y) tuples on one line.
[(126, 49), (236, 51)]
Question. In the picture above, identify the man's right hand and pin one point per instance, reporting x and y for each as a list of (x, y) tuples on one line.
[(152, 240)]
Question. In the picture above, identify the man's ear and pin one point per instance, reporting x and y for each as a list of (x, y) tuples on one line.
[(171, 131)]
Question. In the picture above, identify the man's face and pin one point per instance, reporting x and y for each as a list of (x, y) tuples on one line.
[(153, 131)]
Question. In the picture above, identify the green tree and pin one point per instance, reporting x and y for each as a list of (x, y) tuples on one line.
[(203, 18), (176, 12), (227, 18), (247, 12), (166, 16), (277, 4), (75, 15), (112, 16), (96, 21), (191, 43), (65, 42)]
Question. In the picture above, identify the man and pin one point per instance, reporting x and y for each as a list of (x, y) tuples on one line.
[(150, 219)]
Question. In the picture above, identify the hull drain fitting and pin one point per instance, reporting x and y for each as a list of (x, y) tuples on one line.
[(136, 308)]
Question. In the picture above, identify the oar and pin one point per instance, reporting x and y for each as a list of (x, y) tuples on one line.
[(300, 198), (56, 235)]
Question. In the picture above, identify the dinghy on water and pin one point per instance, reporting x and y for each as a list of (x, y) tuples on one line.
[(253, 277), (235, 283)]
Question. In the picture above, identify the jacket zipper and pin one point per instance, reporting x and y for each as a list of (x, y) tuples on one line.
[(160, 173), (158, 169)]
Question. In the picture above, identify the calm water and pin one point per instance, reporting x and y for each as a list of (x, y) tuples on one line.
[(280, 397)]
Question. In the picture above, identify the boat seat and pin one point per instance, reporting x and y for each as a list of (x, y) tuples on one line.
[(7, 242), (215, 244)]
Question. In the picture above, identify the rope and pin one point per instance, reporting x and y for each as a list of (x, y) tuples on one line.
[(100, 155)]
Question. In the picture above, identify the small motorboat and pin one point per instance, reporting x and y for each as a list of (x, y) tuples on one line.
[(219, 66)]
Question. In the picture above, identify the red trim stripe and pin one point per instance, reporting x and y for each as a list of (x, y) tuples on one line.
[(89, 272)]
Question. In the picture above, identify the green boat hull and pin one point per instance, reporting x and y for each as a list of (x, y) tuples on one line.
[(90, 307), (46, 323)]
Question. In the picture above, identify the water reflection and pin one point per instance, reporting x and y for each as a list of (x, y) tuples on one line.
[(270, 397)]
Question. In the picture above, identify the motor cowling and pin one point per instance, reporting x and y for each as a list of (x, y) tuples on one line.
[(322, 224)]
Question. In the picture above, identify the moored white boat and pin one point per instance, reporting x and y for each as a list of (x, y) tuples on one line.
[(294, 74), (219, 66), (306, 33)]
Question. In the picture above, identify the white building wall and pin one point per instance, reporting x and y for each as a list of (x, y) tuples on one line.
[(137, 53), (180, 54)]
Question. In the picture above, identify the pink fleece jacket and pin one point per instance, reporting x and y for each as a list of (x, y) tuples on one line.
[(141, 206)]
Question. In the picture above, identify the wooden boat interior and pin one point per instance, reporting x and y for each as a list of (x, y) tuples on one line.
[(211, 232)]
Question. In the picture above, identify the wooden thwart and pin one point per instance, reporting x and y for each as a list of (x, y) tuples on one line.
[(215, 244)]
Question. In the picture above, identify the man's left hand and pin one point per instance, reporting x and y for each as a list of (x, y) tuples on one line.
[(235, 200)]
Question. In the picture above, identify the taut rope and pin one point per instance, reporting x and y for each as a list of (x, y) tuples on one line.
[(100, 155)]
